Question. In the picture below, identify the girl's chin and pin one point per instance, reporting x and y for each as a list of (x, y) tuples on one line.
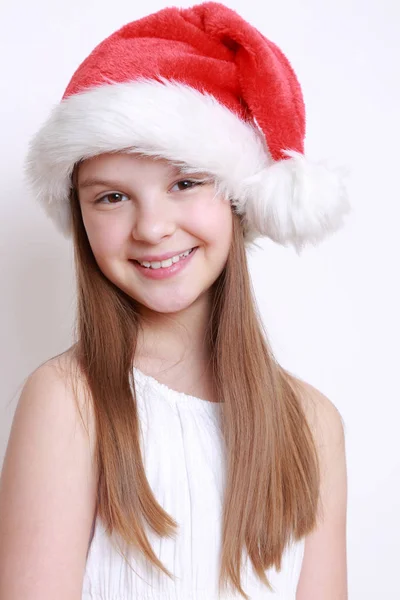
[(165, 305)]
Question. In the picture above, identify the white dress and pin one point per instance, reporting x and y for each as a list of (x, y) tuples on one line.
[(183, 457)]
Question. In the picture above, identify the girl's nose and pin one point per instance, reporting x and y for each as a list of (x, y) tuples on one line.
[(153, 221)]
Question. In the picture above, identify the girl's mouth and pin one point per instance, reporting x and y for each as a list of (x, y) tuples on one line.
[(156, 270)]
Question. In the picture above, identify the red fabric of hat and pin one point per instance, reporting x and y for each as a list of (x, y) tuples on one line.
[(212, 49)]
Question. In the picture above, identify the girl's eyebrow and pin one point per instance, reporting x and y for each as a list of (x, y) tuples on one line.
[(93, 181)]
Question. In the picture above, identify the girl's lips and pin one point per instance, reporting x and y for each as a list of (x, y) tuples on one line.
[(164, 272), (161, 257)]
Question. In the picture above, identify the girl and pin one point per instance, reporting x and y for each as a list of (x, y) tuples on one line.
[(167, 454)]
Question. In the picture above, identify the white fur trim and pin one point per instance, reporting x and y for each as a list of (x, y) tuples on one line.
[(289, 201)]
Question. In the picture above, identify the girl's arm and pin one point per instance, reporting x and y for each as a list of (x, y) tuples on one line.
[(324, 570), (47, 494)]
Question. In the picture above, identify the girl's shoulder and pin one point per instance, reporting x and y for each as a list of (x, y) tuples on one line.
[(323, 417), (326, 545), (61, 381), (48, 486)]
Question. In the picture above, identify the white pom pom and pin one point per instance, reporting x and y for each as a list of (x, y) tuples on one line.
[(294, 201)]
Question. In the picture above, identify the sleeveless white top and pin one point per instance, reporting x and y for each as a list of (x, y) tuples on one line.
[(183, 457)]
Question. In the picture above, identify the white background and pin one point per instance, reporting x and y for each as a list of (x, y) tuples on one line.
[(332, 314)]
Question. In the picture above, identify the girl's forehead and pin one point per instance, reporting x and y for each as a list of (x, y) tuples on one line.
[(125, 158), (129, 163)]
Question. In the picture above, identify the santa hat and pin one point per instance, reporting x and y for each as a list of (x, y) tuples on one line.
[(204, 89)]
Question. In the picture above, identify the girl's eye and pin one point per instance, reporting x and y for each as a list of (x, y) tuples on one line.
[(115, 197), (187, 184)]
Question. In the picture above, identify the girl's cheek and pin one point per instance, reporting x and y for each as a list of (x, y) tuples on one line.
[(213, 217), (106, 239)]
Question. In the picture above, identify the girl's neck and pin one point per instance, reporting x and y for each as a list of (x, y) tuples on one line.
[(173, 349), (166, 340)]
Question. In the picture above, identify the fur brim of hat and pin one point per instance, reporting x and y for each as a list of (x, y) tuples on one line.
[(291, 201)]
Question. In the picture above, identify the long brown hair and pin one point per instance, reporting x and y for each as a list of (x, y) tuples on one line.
[(272, 477)]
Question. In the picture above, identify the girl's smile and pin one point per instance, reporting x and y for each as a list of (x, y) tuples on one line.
[(165, 268)]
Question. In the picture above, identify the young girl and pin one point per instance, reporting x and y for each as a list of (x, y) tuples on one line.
[(167, 454)]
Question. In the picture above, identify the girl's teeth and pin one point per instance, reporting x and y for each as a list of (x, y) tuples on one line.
[(165, 263)]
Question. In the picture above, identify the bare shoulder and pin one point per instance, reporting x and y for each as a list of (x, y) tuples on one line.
[(323, 417), (327, 426), (60, 369), (324, 569), (61, 382), (48, 486)]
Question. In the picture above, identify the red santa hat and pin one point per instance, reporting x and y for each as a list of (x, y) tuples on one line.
[(204, 89)]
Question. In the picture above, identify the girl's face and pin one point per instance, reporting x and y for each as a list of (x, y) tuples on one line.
[(143, 209)]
